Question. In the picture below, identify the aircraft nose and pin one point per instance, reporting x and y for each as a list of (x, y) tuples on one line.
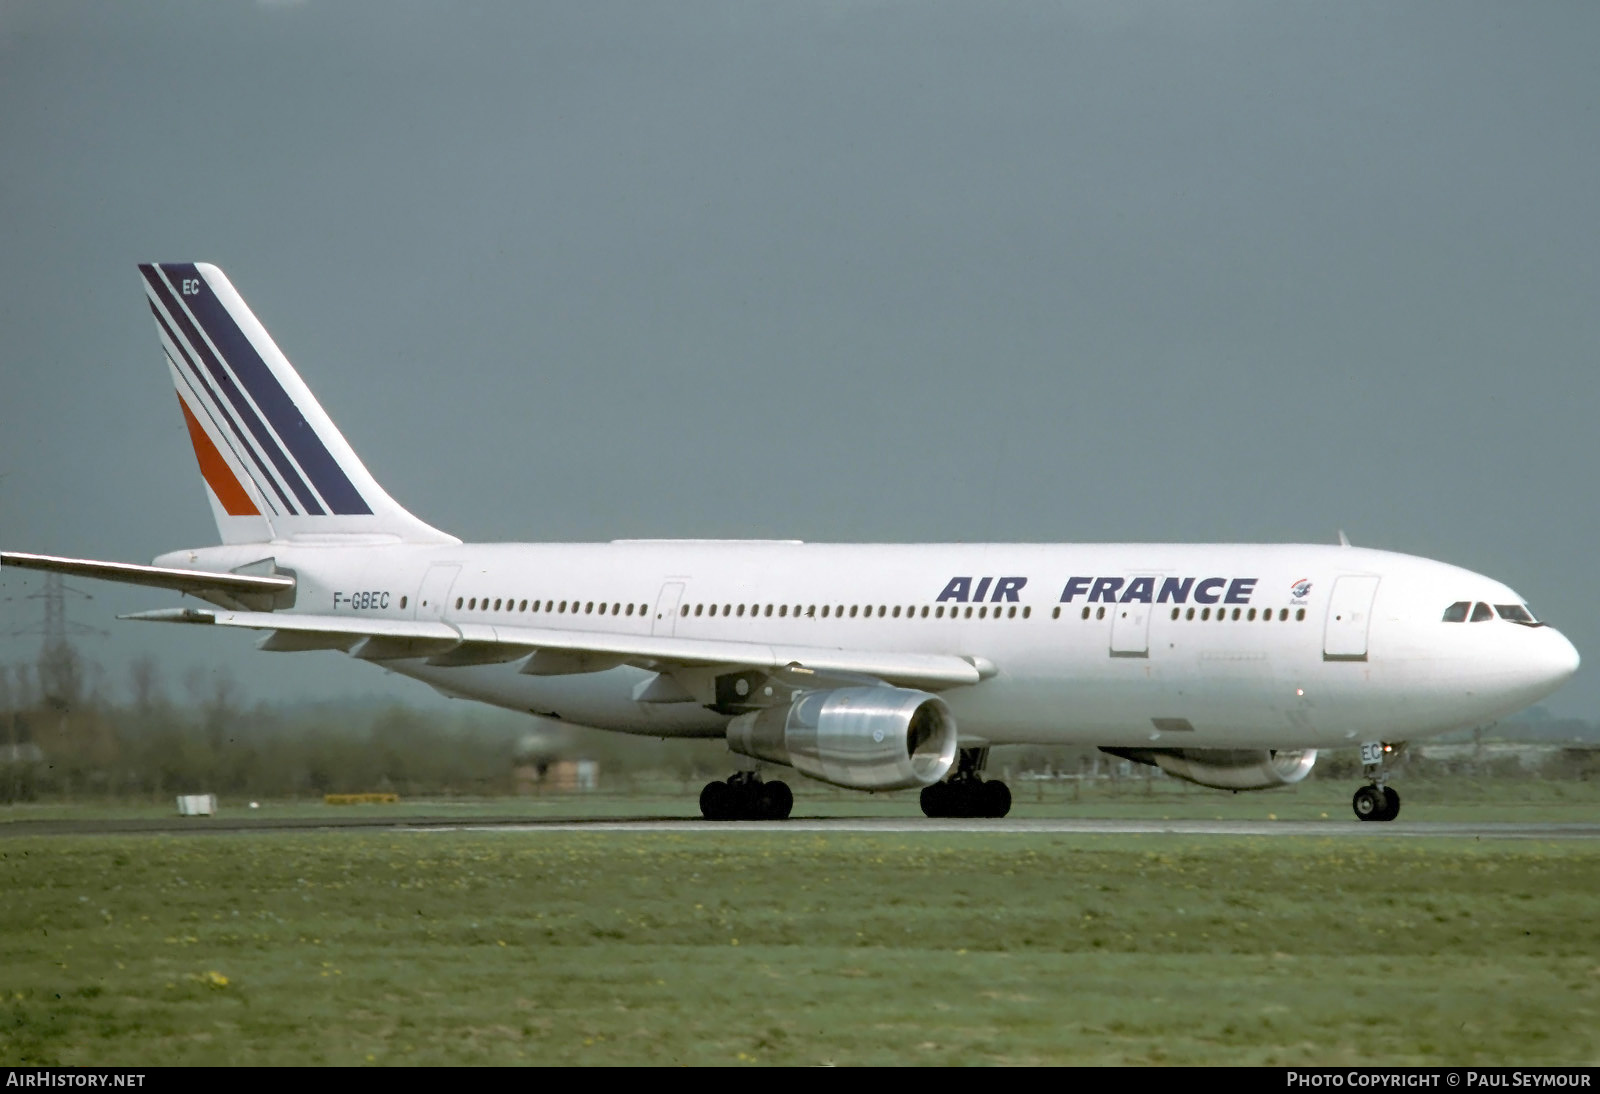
[(1562, 659), (1526, 671)]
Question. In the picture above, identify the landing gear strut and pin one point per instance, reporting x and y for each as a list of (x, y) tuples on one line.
[(1376, 801), (966, 793), (746, 796)]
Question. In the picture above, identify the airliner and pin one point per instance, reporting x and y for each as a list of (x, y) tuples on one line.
[(872, 667)]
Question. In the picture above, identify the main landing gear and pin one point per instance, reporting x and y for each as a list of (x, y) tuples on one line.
[(746, 796), (967, 793), (1376, 801)]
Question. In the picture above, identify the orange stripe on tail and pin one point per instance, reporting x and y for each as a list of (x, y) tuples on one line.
[(218, 476)]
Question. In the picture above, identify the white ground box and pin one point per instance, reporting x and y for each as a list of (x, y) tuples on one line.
[(197, 805)]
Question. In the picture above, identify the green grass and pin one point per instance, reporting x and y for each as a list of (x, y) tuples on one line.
[(803, 948)]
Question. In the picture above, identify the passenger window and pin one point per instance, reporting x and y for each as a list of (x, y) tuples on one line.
[(783, 609), (458, 602), (968, 613), (1026, 611), (1205, 613), (1283, 615), (1252, 616), (897, 611), (1055, 613), (1457, 612), (1174, 613), (699, 609), (402, 602), (924, 611), (1189, 614), (938, 613), (1299, 615), (1236, 614), (1100, 612), (825, 610), (1481, 613)]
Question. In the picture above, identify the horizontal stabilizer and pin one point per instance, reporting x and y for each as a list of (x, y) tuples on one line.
[(553, 652), (250, 592)]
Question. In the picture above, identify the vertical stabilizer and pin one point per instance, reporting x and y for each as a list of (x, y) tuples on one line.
[(274, 464)]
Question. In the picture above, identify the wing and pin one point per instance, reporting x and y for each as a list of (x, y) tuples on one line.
[(702, 670), (246, 590)]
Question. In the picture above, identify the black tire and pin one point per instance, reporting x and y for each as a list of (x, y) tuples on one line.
[(778, 800), (717, 801), (995, 798), (1369, 804), (1391, 798), (936, 800)]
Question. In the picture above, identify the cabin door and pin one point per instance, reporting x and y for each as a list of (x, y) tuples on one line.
[(665, 621), (1344, 636), (1130, 622), (435, 590)]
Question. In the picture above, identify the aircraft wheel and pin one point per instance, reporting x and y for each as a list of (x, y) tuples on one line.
[(936, 800), (777, 801), (996, 799), (1370, 804), (1391, 800), (717, 801)]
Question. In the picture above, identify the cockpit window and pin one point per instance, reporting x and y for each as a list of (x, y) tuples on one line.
[(1457, 612), (1517, 613), (1481, 613)]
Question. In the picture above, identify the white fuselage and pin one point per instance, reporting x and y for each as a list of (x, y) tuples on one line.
[(1153, 645)]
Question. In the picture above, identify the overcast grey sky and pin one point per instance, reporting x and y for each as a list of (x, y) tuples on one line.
[(834, 271)]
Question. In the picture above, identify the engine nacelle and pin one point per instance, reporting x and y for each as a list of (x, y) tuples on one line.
[(1227, 769), (865, 738)]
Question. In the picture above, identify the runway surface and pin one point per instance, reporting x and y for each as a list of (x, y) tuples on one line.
[(1331, 829)]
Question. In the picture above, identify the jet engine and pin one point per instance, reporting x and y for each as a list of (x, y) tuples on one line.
[(1227, 769), (860, 738)]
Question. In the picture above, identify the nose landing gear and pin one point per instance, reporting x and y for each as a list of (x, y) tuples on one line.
[(967, 793), (746, 796), (1376, 801)]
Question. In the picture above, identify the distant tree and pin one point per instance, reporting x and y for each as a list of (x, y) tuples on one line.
[(144, 681), (61, 676)]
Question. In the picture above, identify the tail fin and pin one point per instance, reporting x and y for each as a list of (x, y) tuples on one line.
[(274, 464)]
